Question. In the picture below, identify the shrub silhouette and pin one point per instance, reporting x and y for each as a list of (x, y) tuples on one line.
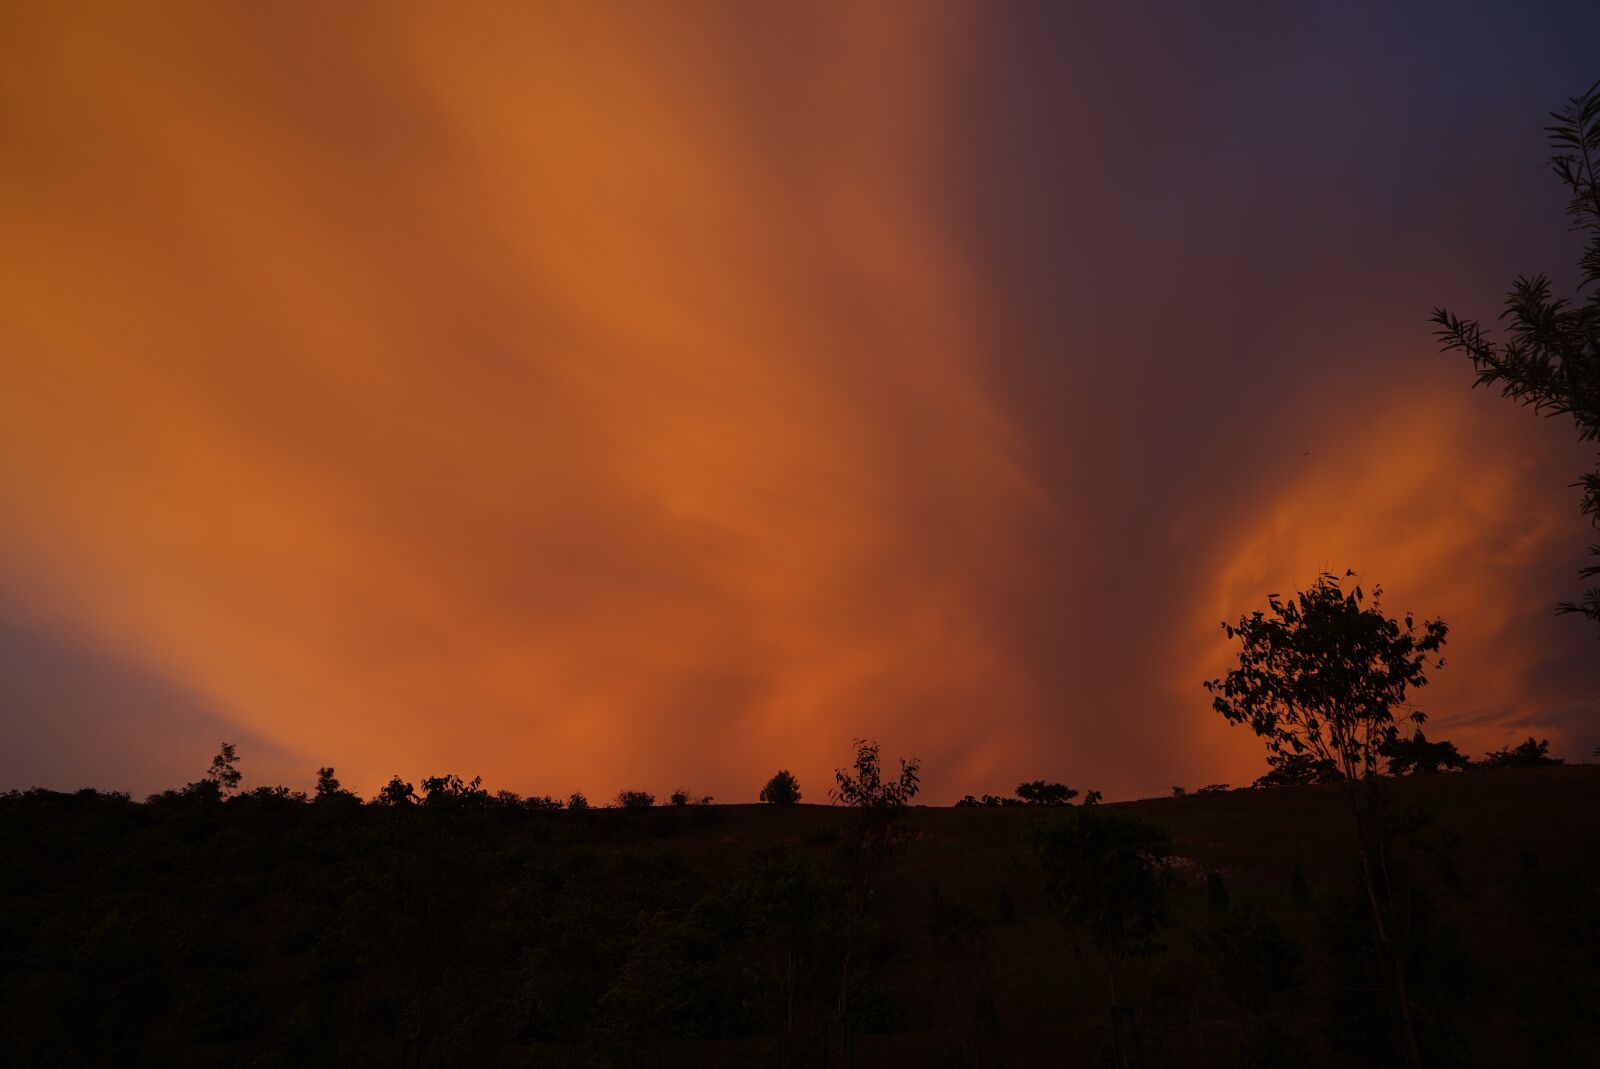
[(635, 800), (781, 789), (576, 802), (988, 801), (1038, 792), (1298, 770), (1033, 792), (1528, 754), (1408, 755)]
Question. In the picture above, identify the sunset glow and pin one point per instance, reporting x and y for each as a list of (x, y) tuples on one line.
[(599, 396)]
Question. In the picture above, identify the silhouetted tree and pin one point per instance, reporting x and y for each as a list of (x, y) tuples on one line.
[(1409, 754), (679, 797), (577, 803), (224, 770), (1107, 874), (781, 789), (397, 792), (877, 806), (329, 789), (450, 790), (1321, 674), (864, 787), (1551, 360), (1529, 754), (1038, 792), (1298, 770)]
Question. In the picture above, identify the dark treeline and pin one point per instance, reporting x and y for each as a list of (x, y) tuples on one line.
[(451, 925)]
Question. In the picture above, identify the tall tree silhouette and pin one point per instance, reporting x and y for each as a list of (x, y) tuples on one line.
[(224, 770), (1551, 360), (1323, 674)]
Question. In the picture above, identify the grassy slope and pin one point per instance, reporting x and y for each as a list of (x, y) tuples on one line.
[(259, 880)]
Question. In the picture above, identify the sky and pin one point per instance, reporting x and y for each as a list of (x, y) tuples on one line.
[(654, 395)]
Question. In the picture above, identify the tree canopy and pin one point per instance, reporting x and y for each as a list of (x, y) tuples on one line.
[(1323, 672)]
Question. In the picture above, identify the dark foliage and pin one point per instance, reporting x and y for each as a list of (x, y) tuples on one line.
[(1039, 792), (1558, 1006), (781, 789), (1551, 359), (1529, 754), (864, 787), (224, 770), (1298, 770), (1107, 876), (1033, 792), (1322, 674), (1414, 753)]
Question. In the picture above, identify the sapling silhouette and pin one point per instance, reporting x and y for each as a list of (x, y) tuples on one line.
[(864, 787), (877, 805), (635, 800), (1322, 674)]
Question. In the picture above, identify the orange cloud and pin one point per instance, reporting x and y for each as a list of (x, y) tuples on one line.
[(592, 397), (505, 397)]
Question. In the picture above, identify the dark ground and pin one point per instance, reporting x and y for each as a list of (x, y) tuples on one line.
[(262, 932)]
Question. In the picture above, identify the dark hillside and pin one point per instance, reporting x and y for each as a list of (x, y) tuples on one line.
[(270, 931)]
